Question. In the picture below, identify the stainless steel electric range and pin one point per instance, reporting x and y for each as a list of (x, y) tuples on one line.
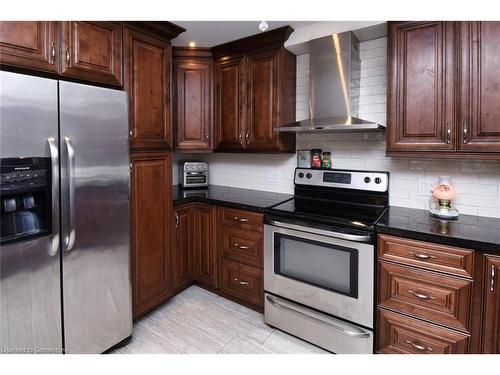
[(319, 256)]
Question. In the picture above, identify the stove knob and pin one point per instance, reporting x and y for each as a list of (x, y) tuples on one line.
[(309, 175), (378, 180), (301, 175), (367, 180)]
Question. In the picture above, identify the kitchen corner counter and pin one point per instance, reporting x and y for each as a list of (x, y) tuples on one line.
[(473, 232), (245, 199)]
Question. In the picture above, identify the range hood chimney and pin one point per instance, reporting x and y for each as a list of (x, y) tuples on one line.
[(335, 74)]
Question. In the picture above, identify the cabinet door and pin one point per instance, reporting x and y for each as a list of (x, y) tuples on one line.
[(151, 229), (262, 97), (29, 44), (92, 51), (147, 81), (421, 108), (491, 323), (193, 104), (205, 244), (183, 246), (480, 48), (229, 104)]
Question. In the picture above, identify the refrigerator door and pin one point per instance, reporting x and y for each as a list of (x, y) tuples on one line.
[(94, 139), (30, 293)]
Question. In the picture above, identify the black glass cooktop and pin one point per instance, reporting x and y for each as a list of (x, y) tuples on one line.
[(330, 212)]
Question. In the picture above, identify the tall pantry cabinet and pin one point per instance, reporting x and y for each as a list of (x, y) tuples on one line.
[(147, 79)]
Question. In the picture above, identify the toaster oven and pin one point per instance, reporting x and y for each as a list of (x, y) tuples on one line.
[(193, 174)]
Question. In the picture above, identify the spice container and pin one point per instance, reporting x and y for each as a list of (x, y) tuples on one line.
[(316, 158), (303, 158), (326, 162)]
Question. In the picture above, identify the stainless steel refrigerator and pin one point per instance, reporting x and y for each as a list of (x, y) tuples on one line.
[(65, 282)]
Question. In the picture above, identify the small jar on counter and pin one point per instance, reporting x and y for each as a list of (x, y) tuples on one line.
[(327, 160), (316, 158)]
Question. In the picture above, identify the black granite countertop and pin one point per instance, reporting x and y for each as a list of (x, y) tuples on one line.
[(473, 232), (245, 199)]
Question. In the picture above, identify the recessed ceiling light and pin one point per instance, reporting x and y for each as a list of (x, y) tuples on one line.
[(263, 26), (192, 44)]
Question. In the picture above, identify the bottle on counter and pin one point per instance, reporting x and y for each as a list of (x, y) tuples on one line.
[(326, 162), (316, 158)]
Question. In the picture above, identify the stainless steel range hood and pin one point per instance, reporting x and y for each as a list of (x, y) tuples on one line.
[(334, 82)]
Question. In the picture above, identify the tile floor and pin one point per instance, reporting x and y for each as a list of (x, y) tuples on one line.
[(197, 321)]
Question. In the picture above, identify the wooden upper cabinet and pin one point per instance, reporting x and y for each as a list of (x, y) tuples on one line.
[(205, 244), (262, 101), (255, 92), (229, 104), (147, 81), (30, 44), (491, 322), (151, 203), (421, 77), (480, 92), (92, 51), (193, 93)]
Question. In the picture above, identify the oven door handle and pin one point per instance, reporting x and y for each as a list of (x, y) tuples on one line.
[(355, 332), (323, 232)]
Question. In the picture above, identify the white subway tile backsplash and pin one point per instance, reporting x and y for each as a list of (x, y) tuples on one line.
[(477, 182)]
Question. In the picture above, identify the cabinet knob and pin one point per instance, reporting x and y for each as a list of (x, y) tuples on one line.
[(240, 138), (448, 134), (465, 132), (247, 136)]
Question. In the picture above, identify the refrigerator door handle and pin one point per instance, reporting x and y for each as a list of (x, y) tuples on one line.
[(54, 161), (70, 238)]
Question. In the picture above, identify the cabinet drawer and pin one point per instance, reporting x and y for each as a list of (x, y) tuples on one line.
[(242, 219), (403, 335), (427, 295), (242, 245), (242, 282), (441, 258)]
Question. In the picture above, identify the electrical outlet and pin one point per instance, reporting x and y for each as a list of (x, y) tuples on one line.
[(424, 188), (272, 175)]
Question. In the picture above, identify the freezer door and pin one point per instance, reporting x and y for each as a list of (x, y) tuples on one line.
[(30, 293), (94, 138)]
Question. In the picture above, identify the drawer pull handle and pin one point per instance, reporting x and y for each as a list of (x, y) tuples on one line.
[(240, 219), (421, 256), (419, 347), (421, 296), (241, 247), (240, 282)]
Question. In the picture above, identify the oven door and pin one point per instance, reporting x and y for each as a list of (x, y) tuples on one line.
[(320, 270)]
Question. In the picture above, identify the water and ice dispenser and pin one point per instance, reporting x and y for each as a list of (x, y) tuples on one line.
[(25, 196)]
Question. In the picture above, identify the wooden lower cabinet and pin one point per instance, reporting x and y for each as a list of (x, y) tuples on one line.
[(437, 298), (242, 282), (491, 312), (151, 201), (182, 251), (205, 244), (398, 334)]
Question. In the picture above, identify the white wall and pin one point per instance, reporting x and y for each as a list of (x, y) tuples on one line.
[(478, 182)]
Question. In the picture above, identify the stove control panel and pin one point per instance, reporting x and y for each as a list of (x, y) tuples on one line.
[(340, 178)]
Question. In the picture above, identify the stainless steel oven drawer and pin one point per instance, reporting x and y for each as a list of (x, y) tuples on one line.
[(320, 329)]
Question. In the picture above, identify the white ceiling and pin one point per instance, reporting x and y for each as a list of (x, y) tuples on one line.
[(212, 33)]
